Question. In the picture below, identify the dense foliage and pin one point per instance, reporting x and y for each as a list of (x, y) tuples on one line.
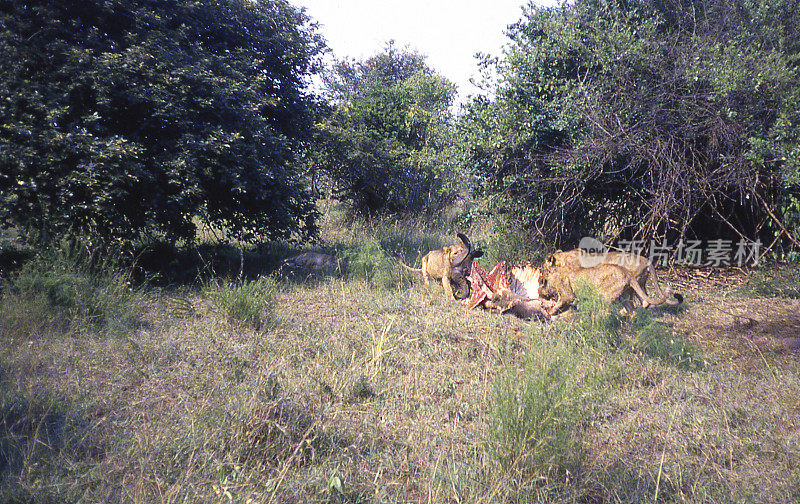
[(672, 119), (122, 118), (652, 118), (382, 143)]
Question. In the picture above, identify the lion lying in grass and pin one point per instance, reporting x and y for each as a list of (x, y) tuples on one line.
[(313, 261)]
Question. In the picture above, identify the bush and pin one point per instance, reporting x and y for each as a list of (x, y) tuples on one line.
[(512, 244), (70, 289), (571, 146), (369, 262), (384, 143), (193, 135), (247, 304), (537, 412)]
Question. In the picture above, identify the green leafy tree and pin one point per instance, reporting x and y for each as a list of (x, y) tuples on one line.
[(119, 119), (382, 143), (646, 118)]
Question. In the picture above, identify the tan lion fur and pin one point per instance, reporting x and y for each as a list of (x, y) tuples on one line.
[(611, 280), (314, 261), (438, 264), (640, 267)]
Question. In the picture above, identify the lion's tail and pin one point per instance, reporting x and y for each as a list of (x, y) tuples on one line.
[(663, 294), (409, 268)]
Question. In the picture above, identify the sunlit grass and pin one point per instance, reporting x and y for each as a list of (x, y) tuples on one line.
[(349, 388)]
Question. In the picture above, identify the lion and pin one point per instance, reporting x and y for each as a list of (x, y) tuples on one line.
[(451, 265), (314, 261), (611, 280), (640, 267)]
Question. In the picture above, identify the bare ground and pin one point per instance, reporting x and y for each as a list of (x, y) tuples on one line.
[(735, 327)]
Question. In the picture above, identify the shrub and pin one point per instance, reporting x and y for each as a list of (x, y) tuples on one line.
[(71, 288), (384, 145), (512, 244), (127, 154), (247, 303), (537, 412), (572, 147), (369, 262)]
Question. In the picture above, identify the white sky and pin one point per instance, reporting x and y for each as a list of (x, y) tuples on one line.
[(448, 32)]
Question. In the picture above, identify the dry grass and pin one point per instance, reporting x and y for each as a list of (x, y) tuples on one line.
[(374, 393)]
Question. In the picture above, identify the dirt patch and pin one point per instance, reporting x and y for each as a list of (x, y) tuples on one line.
[(779, 334), (741, 330), (703, 280)]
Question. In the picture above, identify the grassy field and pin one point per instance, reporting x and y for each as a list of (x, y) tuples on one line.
[(371, 387)]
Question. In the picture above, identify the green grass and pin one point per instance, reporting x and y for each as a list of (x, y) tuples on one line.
[(244, 303), (537, 412), (69, 289), (46, 440), (350, 388), (783, 281), (655, 340), (370, 263)]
